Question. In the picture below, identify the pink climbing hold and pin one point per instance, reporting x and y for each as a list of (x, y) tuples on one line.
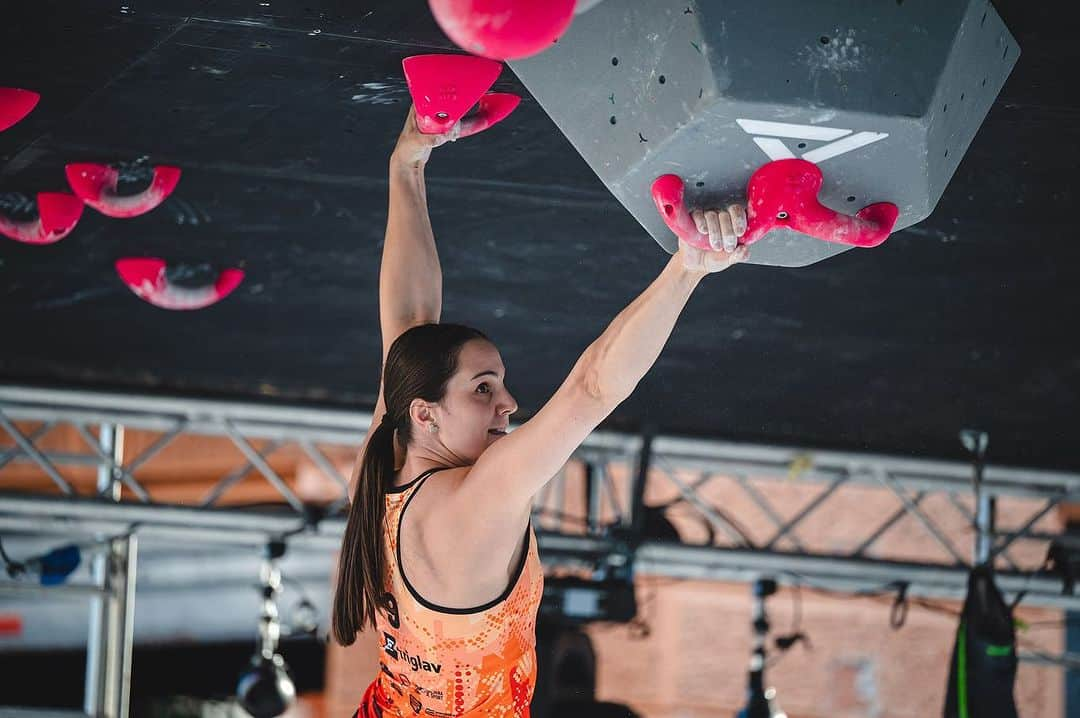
[(445, 87), (148, 278), (491, 109), (58, 213), (503, 29), (781, 194), (15, 104), (96, 185)]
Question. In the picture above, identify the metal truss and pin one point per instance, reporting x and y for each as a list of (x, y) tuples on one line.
[(610, 509), (607, 481)]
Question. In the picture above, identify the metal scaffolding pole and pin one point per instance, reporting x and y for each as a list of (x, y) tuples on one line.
[(112, 613), (976, 443), (89, 517)]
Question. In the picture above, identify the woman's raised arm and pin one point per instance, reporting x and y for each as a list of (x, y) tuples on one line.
[(501, 485), (410, 278)]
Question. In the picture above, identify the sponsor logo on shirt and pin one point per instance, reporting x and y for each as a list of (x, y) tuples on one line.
[(435, 695), (391, 647), (419, 665)]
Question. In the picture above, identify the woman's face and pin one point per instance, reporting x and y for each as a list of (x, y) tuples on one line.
[(477, 406)]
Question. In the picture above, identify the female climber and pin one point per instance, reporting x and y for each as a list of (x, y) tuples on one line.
[(438, 554)]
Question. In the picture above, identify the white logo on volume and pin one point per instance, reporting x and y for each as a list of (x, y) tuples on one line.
[(767, 136)]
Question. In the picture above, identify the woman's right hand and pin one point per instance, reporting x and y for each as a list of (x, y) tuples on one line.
[(414, 147)]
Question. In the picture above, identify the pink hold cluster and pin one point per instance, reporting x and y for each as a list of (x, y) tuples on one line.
[(95, 185)]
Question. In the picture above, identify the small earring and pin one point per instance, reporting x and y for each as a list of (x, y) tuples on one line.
[(433, 427)]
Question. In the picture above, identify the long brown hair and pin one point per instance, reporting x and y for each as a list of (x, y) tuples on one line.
[(418, 366)]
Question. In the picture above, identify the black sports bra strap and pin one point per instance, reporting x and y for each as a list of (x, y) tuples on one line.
[(421, 477)]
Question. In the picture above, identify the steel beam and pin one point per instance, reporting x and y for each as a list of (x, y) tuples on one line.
[(750, 464)]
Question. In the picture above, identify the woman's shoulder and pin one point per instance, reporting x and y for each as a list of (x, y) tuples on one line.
[(430, 504)]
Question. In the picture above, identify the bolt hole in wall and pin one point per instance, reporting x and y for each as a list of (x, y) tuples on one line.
[(802, 145), (662, 79), (851, 198), (612, 119), (615, 61), (700, 184)]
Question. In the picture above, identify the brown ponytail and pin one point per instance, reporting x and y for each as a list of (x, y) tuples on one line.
[(419, 365), (362, 543)]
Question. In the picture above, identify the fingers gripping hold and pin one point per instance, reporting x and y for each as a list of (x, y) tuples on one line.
[(738, 218), (781, 195), (722, 227)]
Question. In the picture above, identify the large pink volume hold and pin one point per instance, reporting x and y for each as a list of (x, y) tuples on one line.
[(781, 195), (503, 29)]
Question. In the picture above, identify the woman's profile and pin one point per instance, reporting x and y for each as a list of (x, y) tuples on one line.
[(438, 555)]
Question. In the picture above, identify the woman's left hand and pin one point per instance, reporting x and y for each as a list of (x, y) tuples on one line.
[(724, 227)]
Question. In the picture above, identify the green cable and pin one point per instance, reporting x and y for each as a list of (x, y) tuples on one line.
[(961, 672)]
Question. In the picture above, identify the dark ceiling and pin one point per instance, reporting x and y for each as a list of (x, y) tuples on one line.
[(282, 116)]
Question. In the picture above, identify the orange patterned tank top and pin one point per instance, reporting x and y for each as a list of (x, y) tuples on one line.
[(438, 662)]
